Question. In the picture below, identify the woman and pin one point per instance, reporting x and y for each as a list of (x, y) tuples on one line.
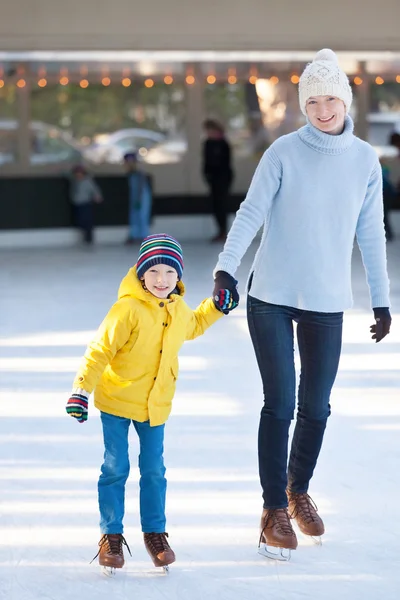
[(313, 190)]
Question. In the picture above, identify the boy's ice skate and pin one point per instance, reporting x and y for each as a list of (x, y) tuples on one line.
[(276, 532), (303, 509), (158, 548), (111, 554)]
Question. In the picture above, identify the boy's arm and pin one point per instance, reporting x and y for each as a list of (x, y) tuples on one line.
[(202, 318), (112, 334)]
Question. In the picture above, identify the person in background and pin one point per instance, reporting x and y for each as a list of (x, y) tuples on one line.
[(217, 171), (84, 192), (140, 199), (389, 194)]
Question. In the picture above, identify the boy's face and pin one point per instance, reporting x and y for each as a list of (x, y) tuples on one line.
[(160, 280)]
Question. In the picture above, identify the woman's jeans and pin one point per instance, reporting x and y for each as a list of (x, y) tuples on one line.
[(319, 337), (115, 471)]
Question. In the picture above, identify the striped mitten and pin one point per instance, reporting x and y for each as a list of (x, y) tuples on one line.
[(77, 405), (225, 301)]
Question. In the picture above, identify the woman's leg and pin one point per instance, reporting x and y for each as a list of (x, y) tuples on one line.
[(320, 340), (114, 473), (271, 330)]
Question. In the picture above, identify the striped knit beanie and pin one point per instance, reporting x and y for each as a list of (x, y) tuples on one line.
[(158, 249)]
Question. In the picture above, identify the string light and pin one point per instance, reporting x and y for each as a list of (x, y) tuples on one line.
[(274, 80), (42, 82), (358, 80), (168, 80), (295, 79), (84, 83), (253, 79), (21, 83), (379, 80), (190, 80), (149, 83), (232, 79), (106, 81), (1, 83), (126, 82), (398, 78), (211, 79), (64, 80)]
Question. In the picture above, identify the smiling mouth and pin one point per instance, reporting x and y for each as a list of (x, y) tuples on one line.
[(328, 120)]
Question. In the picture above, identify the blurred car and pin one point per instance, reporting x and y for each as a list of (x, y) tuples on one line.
[(48, 144), (111, 147)]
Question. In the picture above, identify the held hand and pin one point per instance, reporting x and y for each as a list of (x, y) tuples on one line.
[(77, 405), (381, 327), (225, 294), (224, 301)]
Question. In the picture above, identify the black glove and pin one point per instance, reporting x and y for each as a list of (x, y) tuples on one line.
[(225, 294), (382, 326)]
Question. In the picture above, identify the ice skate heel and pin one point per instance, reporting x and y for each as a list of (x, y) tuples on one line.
[(159, 550), (277, 538), (111, 554), (304, 510)]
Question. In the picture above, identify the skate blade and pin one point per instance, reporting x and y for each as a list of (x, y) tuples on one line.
[(108, 571), (274, 553), (317, 540), (166, 569)]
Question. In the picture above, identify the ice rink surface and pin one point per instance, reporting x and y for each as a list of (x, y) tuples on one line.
[(51, 302)]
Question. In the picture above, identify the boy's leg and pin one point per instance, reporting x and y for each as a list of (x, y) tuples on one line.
[(114, 473), (153, 484)]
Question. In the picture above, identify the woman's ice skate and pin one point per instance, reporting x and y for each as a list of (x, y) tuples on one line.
[(159, 550), (304, 510), (276, 532), (111, 554)]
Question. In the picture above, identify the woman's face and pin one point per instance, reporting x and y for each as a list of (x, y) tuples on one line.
[(326, 113)]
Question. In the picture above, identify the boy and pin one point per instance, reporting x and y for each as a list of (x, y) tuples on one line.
[(132, 365)]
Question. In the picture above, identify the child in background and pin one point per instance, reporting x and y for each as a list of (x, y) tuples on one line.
[(83, 193), (132, 366)]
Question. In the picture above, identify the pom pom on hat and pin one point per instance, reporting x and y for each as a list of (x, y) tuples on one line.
[(324, 77), (326, 54)]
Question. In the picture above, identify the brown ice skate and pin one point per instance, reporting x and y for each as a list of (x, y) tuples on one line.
[(276, 530), (111, 554), (303, 509), (158, 548)]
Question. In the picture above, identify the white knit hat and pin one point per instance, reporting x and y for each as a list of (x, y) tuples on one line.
[(324, 77)]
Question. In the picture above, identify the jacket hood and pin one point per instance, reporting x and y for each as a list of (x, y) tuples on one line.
[(132, 286)]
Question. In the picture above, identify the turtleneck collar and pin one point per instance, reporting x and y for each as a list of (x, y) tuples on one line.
[(326, 143)]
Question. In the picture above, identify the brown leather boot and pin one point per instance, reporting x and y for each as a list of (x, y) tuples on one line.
[(276, 529), (110, 552), (158, 548), (303, 509)]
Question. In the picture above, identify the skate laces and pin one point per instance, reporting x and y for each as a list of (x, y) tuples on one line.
[(157, 541), (277, 517), (304, 506), (113, 543)]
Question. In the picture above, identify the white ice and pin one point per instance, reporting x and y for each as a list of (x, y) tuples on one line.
[(51, 301)]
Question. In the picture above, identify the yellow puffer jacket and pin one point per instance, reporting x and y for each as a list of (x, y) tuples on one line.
[(132, 363)]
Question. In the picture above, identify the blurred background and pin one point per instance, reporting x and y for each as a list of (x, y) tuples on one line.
[(83, 83)]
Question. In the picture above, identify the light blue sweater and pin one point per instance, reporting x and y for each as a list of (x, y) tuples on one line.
[(312, 192)]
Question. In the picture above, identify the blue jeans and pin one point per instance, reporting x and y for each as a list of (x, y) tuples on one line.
[(319, 337), (115, 471)]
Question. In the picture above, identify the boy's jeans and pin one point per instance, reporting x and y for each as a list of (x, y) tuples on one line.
[(115, 471), (319, 338)]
